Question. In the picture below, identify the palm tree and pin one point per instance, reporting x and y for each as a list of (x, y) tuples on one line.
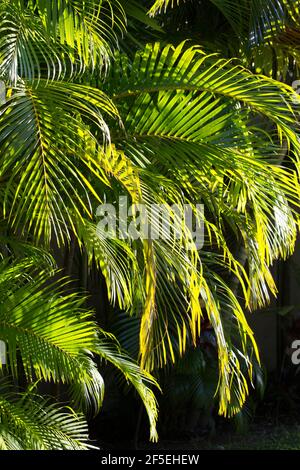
[(84, 123)]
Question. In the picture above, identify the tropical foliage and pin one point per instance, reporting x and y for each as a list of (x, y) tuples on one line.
[(84, 121), (51, 338)]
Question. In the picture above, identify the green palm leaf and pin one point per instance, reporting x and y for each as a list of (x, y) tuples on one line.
[(189, 69), (139, 379), (51, 334), (55, 38), (162, 5), (29, 422), (32, 122), (57, 341)]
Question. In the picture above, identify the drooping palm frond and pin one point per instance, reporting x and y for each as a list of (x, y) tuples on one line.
[(261, 32), (189, 68), (49, 332), (33, 122), (189, 134), (268, 18), (57, 38), (30, 422), (87, 25), (24, 46), (14, 248), (55, 339), (115, 259), (139, 379), (208, 131)]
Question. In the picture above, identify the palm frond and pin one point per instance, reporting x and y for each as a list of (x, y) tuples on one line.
[(30, 422), (189, 68), (50, 332), (43, 133), (115, 259), (57, 38), (56, 340), (140, 379), (162, 5)]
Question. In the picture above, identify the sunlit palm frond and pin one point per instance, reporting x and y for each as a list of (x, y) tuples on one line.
[(189, 68), (43, 133), (55, 340), (30, 422), (140, 25), (25, 50), (114, 258), (49, 331), (57, 38), (161, 5)]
